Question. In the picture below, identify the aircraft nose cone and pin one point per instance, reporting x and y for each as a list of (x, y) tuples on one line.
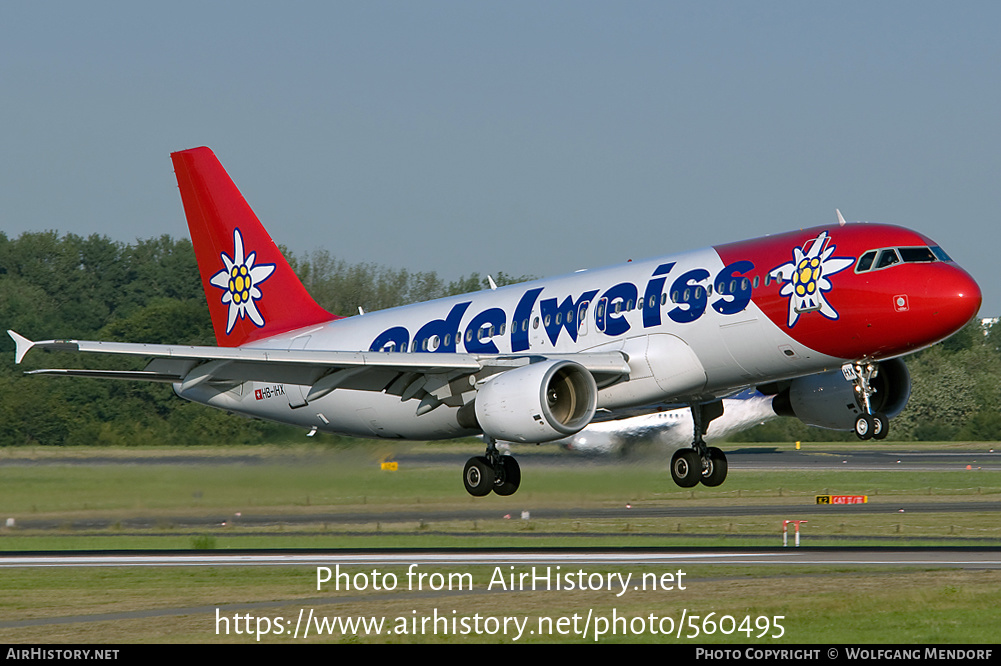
[(958, 300), (930, 303)]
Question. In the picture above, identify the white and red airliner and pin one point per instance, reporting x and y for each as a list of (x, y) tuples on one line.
[(818, 318)]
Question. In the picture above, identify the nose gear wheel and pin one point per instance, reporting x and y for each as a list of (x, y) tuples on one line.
[(868, 424)]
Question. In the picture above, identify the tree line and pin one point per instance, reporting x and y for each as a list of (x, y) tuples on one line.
[(149, 291)]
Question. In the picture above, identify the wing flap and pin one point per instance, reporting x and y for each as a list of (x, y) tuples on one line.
[(134, 375)]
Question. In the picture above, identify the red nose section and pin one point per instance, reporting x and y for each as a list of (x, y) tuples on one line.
[(853, 311), (952, 302), (907, 308)]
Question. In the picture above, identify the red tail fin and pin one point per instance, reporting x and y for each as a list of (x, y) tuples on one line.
[(252, 291)]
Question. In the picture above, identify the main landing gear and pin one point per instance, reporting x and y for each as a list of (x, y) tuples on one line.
[(868, 424), (491, 472), (701, 463)]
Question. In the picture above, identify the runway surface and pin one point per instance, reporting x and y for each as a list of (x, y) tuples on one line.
[(987, 558), (791, 510), (815, 456)]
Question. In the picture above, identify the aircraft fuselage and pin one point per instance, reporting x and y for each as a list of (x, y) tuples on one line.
[(694, 326)]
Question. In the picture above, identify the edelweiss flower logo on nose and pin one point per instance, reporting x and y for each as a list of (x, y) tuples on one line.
[(239, 282), (806, 278)]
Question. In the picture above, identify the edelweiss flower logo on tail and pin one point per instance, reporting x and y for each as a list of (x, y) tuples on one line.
[(806, 278), (239, 282)]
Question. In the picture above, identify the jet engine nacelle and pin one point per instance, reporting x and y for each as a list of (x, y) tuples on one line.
[(828, 400), (539, 402)]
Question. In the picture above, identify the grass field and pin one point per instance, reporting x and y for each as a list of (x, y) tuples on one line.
[(184, 505), (254, 498)]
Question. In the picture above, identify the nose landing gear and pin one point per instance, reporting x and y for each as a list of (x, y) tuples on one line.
[(868, 424)]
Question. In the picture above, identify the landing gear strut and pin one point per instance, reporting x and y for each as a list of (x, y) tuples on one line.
[(868, 424), (700, 463), (492, 471)]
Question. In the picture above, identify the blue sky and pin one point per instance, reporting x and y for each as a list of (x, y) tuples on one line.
[(528, 137)]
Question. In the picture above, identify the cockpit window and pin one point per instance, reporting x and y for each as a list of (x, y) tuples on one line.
[(940, 253), (890, 256), (887, 258), (916, 254), (865, 263)]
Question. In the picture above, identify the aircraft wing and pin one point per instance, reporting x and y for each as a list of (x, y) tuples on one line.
[(400, 373)]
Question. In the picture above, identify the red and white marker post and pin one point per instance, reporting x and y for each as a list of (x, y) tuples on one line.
[(785, 531)]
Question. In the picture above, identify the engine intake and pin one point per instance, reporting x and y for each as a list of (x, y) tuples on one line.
[(539, 402)]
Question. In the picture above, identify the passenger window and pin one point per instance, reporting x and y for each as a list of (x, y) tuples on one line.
[(865, 263)]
